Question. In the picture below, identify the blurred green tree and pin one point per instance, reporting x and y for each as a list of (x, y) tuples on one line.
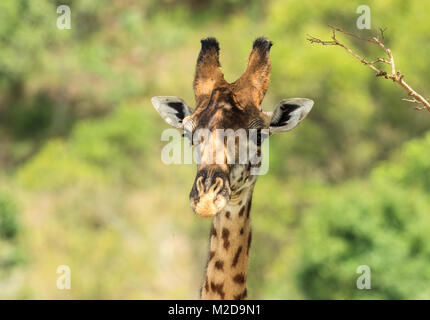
[(382, 223)]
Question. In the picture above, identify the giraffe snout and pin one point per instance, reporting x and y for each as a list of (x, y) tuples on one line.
[(210, 194)]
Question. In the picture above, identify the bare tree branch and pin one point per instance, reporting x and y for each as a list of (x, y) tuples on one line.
[(394, 75)]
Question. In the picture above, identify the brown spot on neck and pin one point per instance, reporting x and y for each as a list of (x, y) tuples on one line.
[(241, 295), (225, 235), (236, 256), (219, 264), (211, 255), (249, 242), (213, 231), (239, 278), (218, 288), (207, 284)]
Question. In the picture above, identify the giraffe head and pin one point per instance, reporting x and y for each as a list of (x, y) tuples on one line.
[(224, 110)]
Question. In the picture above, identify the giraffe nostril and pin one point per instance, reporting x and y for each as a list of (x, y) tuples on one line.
[(216, 188), (200, 186)]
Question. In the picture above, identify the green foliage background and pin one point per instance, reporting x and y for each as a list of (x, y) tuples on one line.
[(82, 183)]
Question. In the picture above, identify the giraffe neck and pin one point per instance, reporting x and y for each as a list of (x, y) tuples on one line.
[(230, 242)]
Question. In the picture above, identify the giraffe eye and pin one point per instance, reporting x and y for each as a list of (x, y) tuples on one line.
[(188, 130), (189, 135)]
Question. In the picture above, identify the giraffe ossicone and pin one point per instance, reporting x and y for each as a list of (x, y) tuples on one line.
[(223, 189)]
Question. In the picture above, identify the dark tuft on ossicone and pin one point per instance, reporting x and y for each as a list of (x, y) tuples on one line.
[(262, 44), (209, 43)]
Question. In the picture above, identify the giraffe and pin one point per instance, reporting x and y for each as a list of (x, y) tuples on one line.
[(223, 191)]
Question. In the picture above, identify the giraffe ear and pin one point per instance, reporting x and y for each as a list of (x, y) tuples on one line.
[(289, 114), (172, 109)]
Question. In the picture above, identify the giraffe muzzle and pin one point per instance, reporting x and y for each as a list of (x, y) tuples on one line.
[(207, 200)]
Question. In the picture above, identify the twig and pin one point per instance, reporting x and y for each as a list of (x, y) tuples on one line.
[(395, 76), (414, 100)]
